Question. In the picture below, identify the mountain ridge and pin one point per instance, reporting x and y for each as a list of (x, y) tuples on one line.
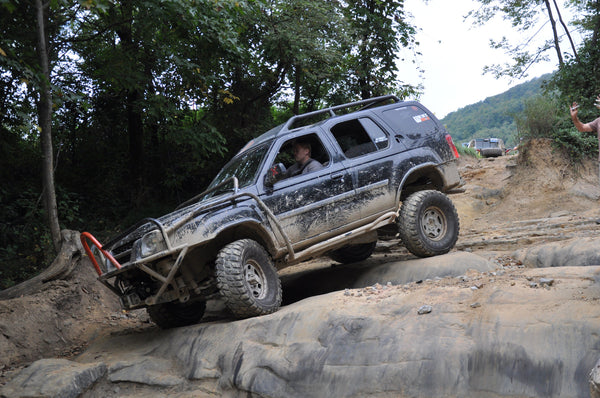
[(493, 116)]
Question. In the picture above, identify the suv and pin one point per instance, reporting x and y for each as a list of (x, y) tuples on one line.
[(384, 162), (488, 147)]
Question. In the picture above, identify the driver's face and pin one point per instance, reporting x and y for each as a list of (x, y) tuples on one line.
[(300, 153)]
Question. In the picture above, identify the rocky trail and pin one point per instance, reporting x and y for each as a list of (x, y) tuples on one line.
[(511, 312)]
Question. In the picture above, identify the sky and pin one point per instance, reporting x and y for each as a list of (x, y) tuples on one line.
[(454, 53)]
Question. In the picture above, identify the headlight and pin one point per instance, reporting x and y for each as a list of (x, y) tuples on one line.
[(151, 243)]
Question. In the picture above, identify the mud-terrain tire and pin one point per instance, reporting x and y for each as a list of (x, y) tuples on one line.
[(173, 315), (353, 253), (428, 223), (247, 279)]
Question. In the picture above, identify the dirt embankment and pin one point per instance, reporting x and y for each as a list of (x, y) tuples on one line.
[(535, 197)]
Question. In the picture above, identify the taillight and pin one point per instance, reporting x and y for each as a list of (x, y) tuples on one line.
[(452, 146)]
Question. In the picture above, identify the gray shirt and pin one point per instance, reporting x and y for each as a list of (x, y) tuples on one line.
[(308, 167)]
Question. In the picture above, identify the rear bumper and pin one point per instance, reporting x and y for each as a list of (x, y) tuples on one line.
[(491, 152)]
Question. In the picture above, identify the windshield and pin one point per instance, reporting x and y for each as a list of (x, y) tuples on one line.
[(245, 167)]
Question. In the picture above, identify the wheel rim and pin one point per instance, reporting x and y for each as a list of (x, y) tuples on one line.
[(255, 279), (433, 223)]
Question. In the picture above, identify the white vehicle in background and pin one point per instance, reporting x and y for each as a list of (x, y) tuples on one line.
[(488, 147)]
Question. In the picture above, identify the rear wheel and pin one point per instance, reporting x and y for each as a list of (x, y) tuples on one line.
[(428, 223), (247, 279), (353, 253), (172, 315)]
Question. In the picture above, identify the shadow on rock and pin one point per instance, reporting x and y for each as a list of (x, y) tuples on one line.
[(310, 283)]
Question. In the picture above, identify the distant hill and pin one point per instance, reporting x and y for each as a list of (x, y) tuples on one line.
[(492, 117)]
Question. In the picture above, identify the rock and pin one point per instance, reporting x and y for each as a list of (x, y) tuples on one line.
[(453, 264), (426, 309), (155, 372), (585, 190), (546, 281), (302, 285), (337, 345), (595, 381), (573, 252), (58, 378)]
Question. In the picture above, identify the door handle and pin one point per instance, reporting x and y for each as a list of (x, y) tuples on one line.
[(337, 177), (399, 137)]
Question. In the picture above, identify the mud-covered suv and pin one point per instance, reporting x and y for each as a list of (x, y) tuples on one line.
[(382, 162)]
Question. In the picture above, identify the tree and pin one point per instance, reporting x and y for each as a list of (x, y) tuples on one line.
[(523, 15), (137, 103), (314, 35), (378, 29), (41, 22), (149, 65), (579, 79), (45, 123)]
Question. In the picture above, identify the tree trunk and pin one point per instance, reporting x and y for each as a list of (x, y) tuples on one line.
[(63, 265), (564, 25), (297, 83), (556, 40), (45, 123)]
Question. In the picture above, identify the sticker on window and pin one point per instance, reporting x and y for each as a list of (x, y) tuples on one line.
[(421, 118)]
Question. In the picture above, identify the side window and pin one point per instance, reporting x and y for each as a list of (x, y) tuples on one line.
[(378, 136), (409, 120), (290, 155), (359, 137)]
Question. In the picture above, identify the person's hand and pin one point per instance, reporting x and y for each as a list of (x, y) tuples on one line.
[(574, 109)]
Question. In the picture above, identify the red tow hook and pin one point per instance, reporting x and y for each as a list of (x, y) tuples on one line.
[(84, 238)]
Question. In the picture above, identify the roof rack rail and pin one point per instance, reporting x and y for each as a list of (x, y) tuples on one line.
[(331, 110)]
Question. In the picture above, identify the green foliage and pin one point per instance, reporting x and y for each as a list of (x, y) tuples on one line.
[(545, 117), (151, 99), (578, 145), (539, 119), (25, 244), (464, 151), (378, 30)]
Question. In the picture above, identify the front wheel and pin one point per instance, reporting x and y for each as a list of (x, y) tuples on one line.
[(428, 223), (247, 279)]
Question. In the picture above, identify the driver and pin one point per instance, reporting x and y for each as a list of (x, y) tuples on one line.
[(304, 163)]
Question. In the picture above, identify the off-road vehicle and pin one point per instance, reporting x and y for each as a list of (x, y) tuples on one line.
[(488, 147), (384, 162)]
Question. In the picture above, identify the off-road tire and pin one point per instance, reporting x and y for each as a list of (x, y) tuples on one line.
[(247, 279), (353, 253), (428, 223), (172, 315)]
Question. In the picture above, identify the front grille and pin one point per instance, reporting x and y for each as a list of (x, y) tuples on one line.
[(120, 250)]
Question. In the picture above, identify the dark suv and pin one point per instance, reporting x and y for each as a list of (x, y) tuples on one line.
[(384, 162)]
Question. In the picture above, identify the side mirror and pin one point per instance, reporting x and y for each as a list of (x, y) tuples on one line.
[(275, 173)]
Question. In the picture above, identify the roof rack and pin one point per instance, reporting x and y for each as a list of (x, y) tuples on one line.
[(331, 110)]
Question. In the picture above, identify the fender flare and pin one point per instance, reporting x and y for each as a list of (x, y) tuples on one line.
[(428, 165)]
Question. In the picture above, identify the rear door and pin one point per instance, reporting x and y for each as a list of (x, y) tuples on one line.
[(368, 152)]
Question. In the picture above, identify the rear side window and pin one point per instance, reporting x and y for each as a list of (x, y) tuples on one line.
[(359, 137), (409, 120)]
